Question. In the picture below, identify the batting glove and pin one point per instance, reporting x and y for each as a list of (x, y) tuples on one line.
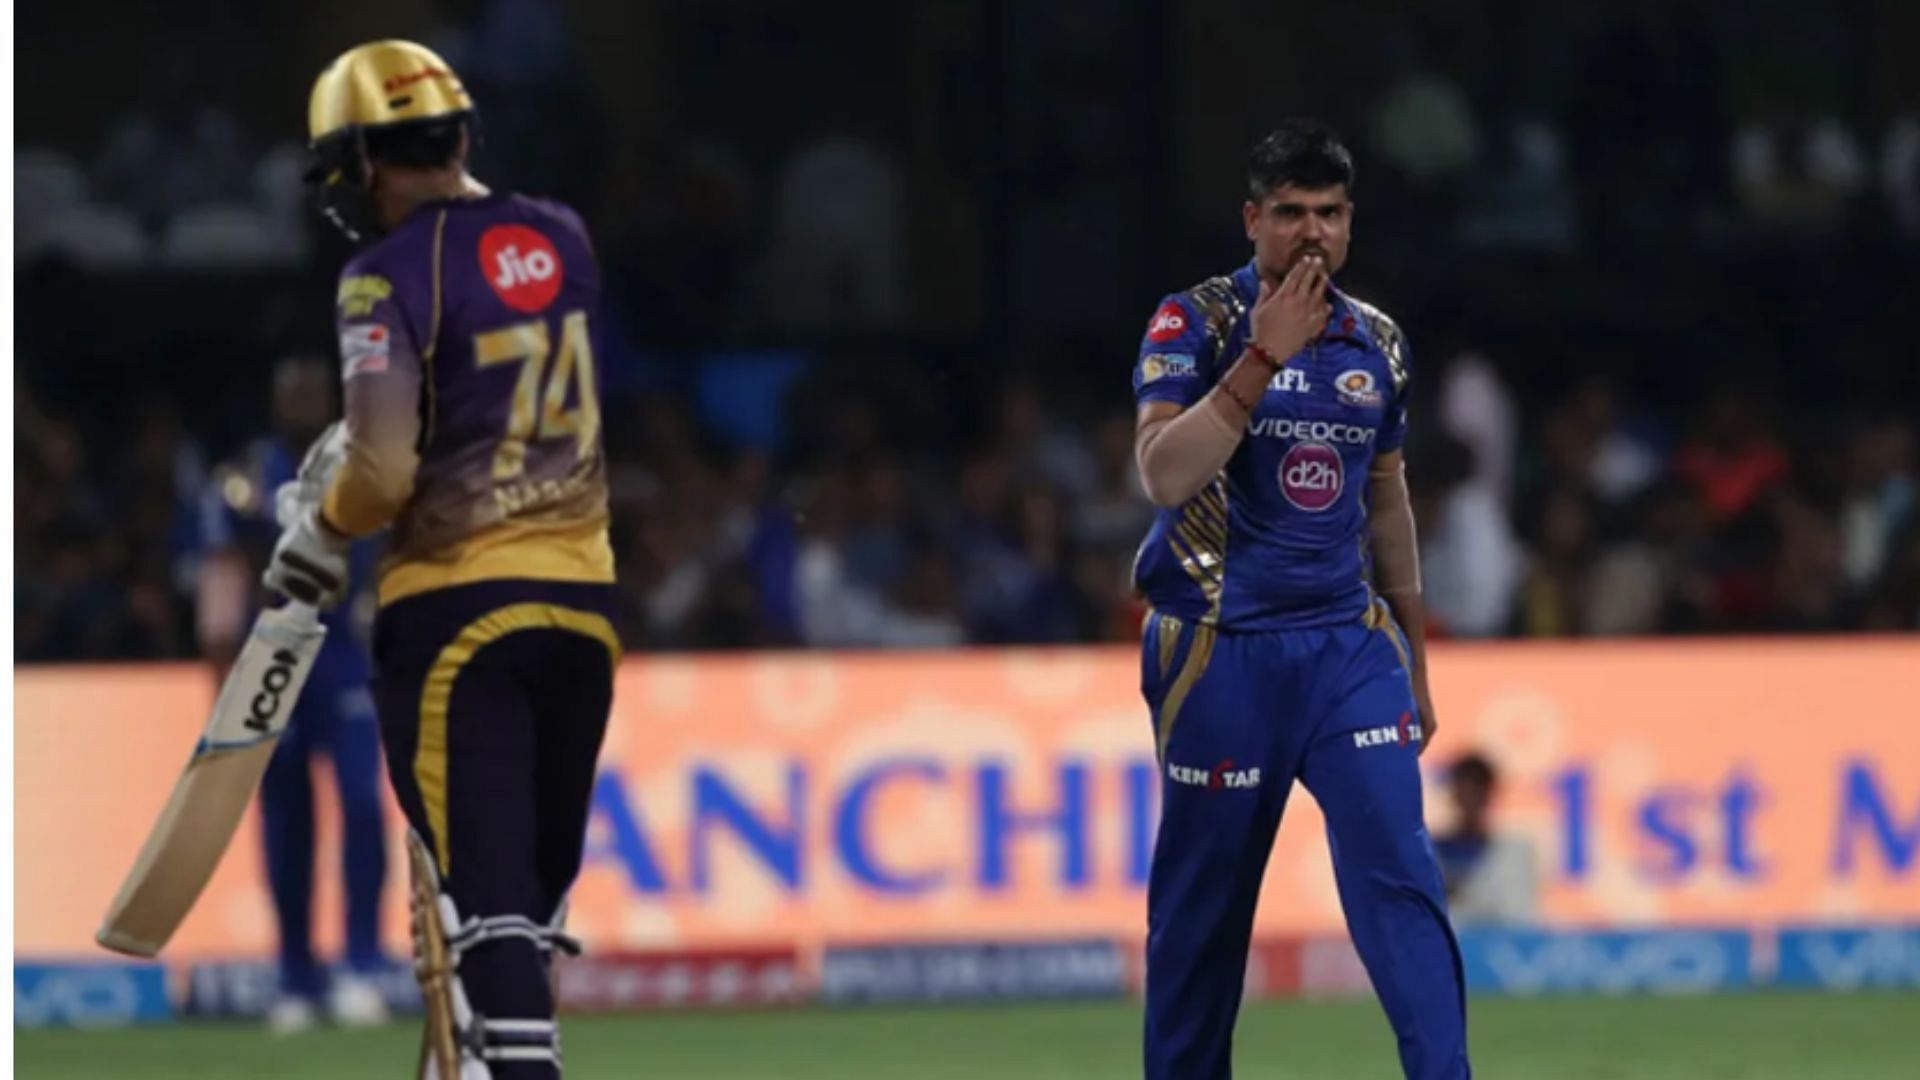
[(309, 563)]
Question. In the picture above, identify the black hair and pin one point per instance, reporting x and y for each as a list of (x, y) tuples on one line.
[(1474, 767), (1303, 153), (422, 144)]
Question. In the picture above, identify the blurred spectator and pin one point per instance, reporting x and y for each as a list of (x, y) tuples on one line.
[(1492, 878), (685, 520), (1554, 592), (1879, 503), (1114, 514), (540, 123), (677, 267), (1798, 173), (1468, 555), (996, 579), (1624, 457), (878, 545), (1477, 408), (1425, 127), (836, 610), (1900, 172), (1528, 202), (175, 151), (1732, 460), (1807, 581), (1655, 579), (1588, 445), (838, 253), (164, 472), (1894, 604), (1037, 445), (95, 578)]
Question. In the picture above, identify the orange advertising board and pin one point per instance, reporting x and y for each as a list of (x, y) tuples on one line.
[(810, 797)]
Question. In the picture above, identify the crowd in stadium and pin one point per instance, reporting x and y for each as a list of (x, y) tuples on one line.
[(1585, 516), (863, 495)]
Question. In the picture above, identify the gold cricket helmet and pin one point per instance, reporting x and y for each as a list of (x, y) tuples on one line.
[(391, 101)]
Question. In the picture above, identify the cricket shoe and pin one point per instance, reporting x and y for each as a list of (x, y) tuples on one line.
[(291, 1015), (355, 1002)]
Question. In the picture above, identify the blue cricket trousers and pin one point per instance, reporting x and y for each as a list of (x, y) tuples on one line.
[(1237, 718)]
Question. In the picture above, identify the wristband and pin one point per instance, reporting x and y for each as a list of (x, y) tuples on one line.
[(1245, 405), (1256, 349)]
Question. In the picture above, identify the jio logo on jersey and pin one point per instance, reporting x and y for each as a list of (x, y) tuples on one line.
[(1168, 323), (1311, 476), (522, 266)]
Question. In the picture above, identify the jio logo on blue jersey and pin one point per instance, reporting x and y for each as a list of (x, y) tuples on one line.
[(1311, 476)]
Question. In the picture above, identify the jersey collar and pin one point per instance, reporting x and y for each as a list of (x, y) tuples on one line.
[(1343, 324)]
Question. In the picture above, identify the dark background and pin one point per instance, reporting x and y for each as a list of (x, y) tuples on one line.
[(876, 273)]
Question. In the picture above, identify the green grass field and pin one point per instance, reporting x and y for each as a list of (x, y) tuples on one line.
[(1772, 1036)]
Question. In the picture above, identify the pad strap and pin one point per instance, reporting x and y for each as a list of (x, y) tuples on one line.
[(519, 1040), (475, 932)]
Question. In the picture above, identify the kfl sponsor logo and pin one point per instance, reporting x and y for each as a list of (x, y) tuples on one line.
[(522, 266), (1405, 733), (1168, 323), (1312, 475), (1290, 380), (1164, 366), (1223, 775)]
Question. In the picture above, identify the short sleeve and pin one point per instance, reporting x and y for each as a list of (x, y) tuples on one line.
[(1393, 424), (380, 369), (376, 337), (1174, 363)]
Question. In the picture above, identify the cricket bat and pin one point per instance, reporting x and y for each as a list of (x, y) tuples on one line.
[(207, 803)]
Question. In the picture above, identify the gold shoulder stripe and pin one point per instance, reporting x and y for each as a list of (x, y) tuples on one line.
[(1220, 305), (439, 249), (432, 346), (1386, 334)]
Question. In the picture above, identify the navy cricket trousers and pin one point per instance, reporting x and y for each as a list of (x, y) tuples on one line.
[(1238, 717), (493, 704)]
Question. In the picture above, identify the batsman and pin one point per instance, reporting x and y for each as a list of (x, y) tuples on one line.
[(1286, 637), (471, 432)]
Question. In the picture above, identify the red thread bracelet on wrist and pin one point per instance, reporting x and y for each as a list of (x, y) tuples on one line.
[(1255, 348), (1237, 399)]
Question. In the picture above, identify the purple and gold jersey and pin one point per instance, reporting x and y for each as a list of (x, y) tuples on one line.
[(1278, 540), (472, 398)]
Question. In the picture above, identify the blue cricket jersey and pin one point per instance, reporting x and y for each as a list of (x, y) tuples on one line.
[(1278, 541)]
